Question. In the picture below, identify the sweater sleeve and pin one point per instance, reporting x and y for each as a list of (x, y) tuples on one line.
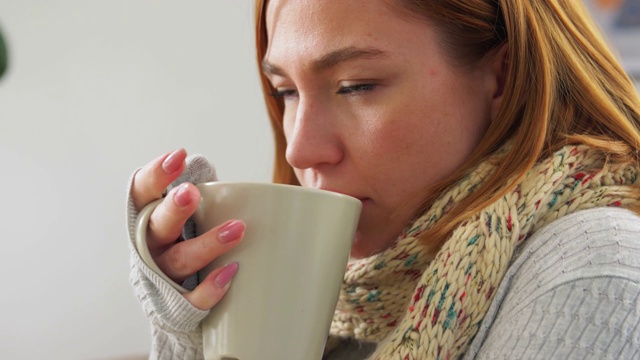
[(175, 323), (573, 293)]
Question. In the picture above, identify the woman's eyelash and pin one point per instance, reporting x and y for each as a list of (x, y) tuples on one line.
[(344, 90), (283, 93), (355, 89)]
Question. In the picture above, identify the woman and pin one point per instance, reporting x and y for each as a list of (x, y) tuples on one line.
[(494, 146)]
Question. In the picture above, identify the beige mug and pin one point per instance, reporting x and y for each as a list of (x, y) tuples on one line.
[(292, 261)]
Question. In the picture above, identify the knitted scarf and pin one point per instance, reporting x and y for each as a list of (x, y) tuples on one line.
[(416, 306)]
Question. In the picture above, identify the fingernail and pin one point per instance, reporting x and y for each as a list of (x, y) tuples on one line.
[(182, 197), (231, 231), (171, 164), (226, 274)]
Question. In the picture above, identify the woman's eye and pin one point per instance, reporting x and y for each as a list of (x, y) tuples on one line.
[(353, 89), (284, 93)]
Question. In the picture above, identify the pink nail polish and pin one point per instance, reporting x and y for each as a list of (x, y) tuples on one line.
[(171, 164), (225, 276), (182, 197), (232, 230)]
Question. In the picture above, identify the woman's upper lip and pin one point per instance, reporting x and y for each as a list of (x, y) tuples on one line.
[(361, 198)]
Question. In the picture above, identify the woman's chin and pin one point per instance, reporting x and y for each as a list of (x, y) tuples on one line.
[(364, 247), (358, 249)]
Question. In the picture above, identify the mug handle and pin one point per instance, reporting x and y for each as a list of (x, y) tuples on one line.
[(142, 223)]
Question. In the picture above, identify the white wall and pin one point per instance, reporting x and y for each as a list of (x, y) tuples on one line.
[(94, 90)]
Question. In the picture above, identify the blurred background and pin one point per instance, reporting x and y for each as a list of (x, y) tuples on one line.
[(620, 22), (93, 91)]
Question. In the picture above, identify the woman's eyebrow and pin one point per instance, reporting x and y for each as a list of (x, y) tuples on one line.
[(346, 54), (330, 59)]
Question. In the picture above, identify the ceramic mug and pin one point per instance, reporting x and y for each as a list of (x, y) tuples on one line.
[(291, 263)]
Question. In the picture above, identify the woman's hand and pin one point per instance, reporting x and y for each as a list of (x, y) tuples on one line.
[(181, 259)]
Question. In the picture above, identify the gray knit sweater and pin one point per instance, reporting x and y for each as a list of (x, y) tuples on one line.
[(572, 292)]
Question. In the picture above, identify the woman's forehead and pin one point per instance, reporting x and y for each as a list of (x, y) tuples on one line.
[(314, 28), (330, 17)]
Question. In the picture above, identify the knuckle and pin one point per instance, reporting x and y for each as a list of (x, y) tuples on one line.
[(207, 249), (142, 177), (169, 214), (177, 259), (156, 229), (165, 223), (143, 189), (148, 180), (152, 185)]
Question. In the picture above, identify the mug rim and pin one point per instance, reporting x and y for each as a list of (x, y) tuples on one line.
[(297, 188)]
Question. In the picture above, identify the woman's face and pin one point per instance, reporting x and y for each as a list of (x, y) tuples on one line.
[(373, 107)]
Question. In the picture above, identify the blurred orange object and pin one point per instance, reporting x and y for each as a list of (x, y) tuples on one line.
[(609, 4)]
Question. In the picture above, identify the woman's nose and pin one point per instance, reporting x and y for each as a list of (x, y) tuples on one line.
[(313, 137)]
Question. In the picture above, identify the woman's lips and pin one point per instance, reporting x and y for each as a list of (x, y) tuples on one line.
[(361, 198)]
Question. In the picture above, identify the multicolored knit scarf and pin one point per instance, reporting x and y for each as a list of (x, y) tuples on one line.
[(419, 307)]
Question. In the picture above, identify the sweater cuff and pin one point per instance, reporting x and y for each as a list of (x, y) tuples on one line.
[(163, 305)]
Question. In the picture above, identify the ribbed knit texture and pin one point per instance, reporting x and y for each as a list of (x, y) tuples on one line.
[(423, 308), (573, 293)]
